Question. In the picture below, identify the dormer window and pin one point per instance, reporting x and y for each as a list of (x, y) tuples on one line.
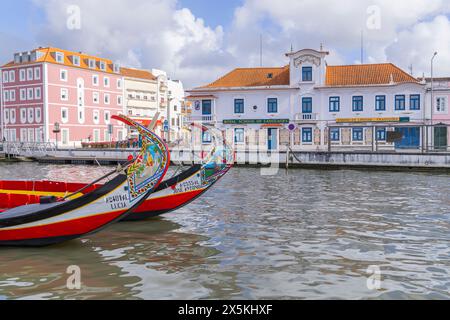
[(270, 76), (59, 57), (102, 66), (91, 64), (76, 60), (306, 74), (116, 68)]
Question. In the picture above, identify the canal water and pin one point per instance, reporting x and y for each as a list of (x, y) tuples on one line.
[(304, 234)]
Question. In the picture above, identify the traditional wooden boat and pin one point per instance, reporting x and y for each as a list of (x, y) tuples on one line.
[(51, 221), (170, 195)]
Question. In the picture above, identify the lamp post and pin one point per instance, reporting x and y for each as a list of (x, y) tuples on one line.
[(56, 130), (432, 87)]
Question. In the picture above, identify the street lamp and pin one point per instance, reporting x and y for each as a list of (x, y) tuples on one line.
[(432, 87), (56, 130)]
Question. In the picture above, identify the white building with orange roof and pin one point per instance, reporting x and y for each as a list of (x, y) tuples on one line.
[(55, 95), (309, 105)]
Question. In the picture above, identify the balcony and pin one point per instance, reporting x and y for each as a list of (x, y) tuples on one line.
[(306, 117), (200, 119)]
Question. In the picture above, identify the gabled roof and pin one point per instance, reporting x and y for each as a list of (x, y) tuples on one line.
[(137, 74), (49, 55), (366, 74), (253, 77)]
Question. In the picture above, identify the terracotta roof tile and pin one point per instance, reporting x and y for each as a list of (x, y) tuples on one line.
[(253, 77), (136, 73), (366, 74)]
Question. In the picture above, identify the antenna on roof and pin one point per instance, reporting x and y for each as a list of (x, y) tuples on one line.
[(292, 47), (411, 69), (321, 46)]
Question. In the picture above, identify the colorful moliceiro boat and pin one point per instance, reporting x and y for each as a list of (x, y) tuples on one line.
[(41, 224), (170, 195)]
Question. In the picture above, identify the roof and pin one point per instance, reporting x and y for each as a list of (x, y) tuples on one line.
[(192, 97), (49, 55), (366, 74), (137, 73), (253, 77)]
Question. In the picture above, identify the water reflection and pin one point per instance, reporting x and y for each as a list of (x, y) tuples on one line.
[(302, 235)]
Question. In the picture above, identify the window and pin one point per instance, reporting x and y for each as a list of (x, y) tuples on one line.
[(30, 115), (23, 94), (30, 74), (335, 134), (119, 83), (106, 82), (30, 94), (37, 113), (307, 135), (307, 74), (6, 96), (64, 94), (238, 105), (5, 76), (106, 98), (6, 114), (119, 101), (12, 76), (107, 117), (22, 75), (239, 135), (206, 137), (441, 104), (12, 117), (400, 102), (63, 75), (23, 116), (95, 97), (381, 134), (102, 66), (380, 103), (414, 102), (96, 116), (76, 61), (307, 105), (357, 134), (37, 73), (116, 67), (64, 115), (335, 104), (59, 57), (272, 105), (37, 93), (206, 107), (12, 95), (95, 80), (91, 63), (357, 104)]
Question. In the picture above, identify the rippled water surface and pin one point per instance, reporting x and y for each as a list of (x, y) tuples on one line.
[(304, 234)]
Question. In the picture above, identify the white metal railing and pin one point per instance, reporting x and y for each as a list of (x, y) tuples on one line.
[(307, 117), (28, 149), (208, 118)]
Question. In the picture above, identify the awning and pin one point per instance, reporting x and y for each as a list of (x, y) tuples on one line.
[(274, 125)]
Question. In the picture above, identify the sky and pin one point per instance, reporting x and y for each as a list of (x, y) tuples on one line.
[(197, 41)]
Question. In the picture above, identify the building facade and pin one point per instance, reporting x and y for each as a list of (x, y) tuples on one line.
[(440, 96), (308, 105), (50, 88)]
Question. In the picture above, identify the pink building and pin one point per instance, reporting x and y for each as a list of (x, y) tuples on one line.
[(49, 86), (440, 110)]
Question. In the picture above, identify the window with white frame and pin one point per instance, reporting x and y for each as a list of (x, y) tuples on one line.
[(76, 61), (95, 80), (12, 95), (239, 135), (119, 83), (441, 104), (30, 94), (107, 98), (119, 100), (30, 115), (23, 115), (22, 75), (37, 73), (37, 93), (12, 76), (23, 94), (12, 116), (107, 117), (96, 116), (106, 82), (63, 75), (59, 57), (91, 63), (6, 115), (102, 65), (6, 96), (5, 76), (95, 97), (30, 74), (64, 115), (64, 94), (38, 115)]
